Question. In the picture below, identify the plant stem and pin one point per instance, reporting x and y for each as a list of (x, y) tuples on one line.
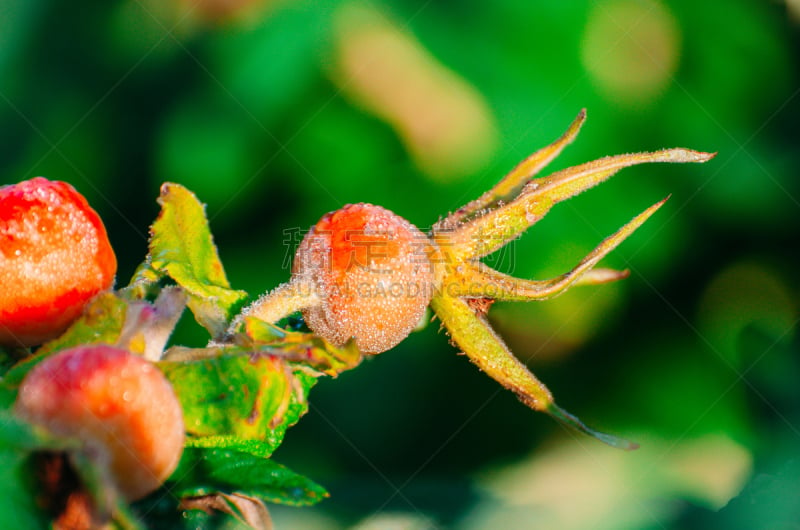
[(282, 301)]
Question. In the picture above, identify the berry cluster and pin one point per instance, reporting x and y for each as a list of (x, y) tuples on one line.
[(122, 413)]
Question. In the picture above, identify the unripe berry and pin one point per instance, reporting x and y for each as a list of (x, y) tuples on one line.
[(120, 406), (54, 257), (371, 271)]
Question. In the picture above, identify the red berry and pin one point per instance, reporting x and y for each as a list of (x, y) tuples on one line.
[(120, 406), (371, 270), (54, 257)]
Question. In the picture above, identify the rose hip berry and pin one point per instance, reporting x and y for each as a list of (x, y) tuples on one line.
[(54, 257), (120, 406), (347, 265), (370, 270)]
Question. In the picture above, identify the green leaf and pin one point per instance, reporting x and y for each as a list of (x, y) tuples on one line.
[(8, 357), (18, 509), (253, 389), (8, 394), (249, 396), (209, 471), (16, 434), (18, 439), (251, 447), (182, 248), (101, 323)]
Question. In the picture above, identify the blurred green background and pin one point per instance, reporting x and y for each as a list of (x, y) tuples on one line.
[(275, 112)]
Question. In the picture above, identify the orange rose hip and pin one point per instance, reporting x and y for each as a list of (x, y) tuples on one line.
[(371, 271), (54, 257), (118, 405)]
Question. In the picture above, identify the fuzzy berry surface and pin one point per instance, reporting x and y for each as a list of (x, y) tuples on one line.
[(371, 270), (54, 257), (118, 405)]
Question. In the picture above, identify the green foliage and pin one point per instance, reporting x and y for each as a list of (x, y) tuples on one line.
[(121, 96), (208, 471), (18, 493), (17, 499), (238, 394)]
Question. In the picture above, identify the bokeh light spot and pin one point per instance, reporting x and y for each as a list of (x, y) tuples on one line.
[(631, 49), (612, 491), (746, 295), (794, 9), (442, 120)]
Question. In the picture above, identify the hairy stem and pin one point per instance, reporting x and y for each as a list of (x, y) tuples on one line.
[(281, 302)]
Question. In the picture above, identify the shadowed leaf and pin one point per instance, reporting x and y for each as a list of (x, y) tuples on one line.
[(210, 471)]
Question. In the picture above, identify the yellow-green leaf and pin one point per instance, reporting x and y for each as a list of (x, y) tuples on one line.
[(182, 248)]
